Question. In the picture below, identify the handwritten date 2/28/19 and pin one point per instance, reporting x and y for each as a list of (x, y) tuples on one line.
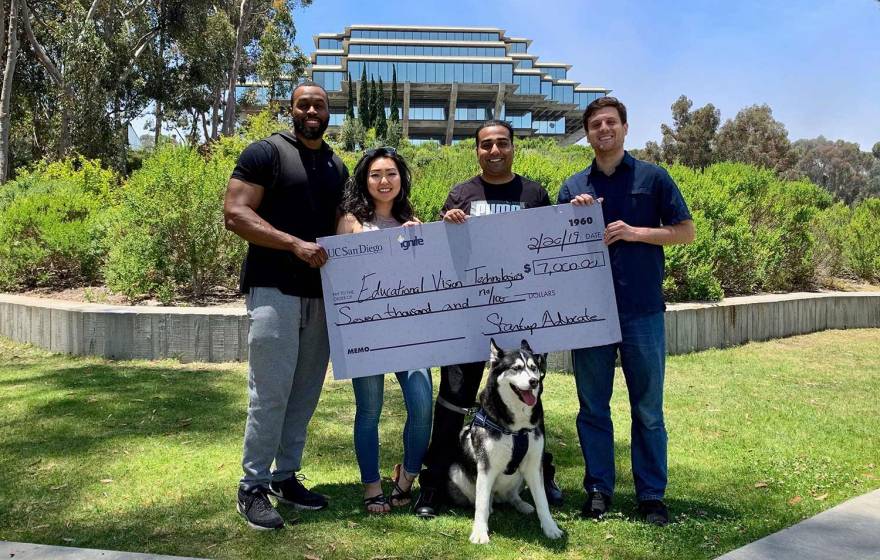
[(565, 239)]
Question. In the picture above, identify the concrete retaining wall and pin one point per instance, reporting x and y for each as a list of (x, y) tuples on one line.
[(220, 334)]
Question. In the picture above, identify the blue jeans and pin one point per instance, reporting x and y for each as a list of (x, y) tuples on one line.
[(368, 395), (643, 357)]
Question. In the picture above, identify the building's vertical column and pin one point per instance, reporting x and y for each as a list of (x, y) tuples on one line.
[(406, 109), (450, 122), (499, 102)]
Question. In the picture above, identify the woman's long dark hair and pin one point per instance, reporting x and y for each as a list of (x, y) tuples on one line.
[(357, 200)]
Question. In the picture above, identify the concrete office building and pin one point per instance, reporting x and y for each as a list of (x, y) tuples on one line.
[(450, 79)]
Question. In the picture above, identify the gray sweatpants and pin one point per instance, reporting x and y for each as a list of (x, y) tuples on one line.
[(288, 353)]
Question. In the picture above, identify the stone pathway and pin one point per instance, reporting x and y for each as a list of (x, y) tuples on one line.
[(24, 551), (850, 531)]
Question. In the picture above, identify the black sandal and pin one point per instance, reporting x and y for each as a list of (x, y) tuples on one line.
[(377, 500), (398, 494)]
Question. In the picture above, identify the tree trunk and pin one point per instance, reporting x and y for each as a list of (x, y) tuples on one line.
[(57, 77), (8, 73), (215, 112), (122, 143), (205, 128), (159, 113), (229, 109)]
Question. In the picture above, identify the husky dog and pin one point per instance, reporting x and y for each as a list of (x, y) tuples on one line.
[(504, 444)]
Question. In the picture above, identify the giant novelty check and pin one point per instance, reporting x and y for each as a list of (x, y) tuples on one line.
[(434, 294)]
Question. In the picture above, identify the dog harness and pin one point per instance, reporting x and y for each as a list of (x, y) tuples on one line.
[(520, 438)]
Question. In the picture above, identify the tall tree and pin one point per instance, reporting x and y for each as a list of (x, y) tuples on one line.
[(364, 99), (691, 138), (395, 101), (838, 166), (10, 49), (380, 123), (250, 20), (241, 26), (876, 148), (755, 137), (278, 60), (349, 107), (374, 96)]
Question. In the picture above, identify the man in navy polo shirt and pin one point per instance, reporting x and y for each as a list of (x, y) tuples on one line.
[(643, 211)]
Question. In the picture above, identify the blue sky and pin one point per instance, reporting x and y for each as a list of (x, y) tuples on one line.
[(817, 64)]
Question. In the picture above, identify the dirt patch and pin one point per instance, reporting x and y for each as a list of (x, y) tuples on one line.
[(218, 297)]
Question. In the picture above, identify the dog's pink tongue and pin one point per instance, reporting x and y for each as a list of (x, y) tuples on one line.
[(529, 398)]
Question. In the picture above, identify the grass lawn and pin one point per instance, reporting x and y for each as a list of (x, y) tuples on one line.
[(144, 456)]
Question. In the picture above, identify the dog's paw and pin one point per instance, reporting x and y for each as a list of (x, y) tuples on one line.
[(479, 537), (552, 530), (524, 507)]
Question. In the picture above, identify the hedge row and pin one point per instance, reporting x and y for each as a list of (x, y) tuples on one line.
[(160, 233)]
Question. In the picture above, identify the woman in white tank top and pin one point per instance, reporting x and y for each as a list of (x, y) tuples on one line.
[(377, 197)]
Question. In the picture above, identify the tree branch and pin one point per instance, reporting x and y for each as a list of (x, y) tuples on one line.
[(89, 16), (38, 49)]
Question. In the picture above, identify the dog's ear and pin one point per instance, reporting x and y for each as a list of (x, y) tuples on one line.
[(495, 353), (524, 345), (541, 362)]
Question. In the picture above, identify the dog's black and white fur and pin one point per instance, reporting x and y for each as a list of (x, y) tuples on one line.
[(483, 472)]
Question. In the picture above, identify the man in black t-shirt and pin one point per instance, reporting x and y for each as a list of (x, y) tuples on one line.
[(283, 195), (497, 189)]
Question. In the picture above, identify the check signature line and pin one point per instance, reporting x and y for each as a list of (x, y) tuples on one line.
[(539, 328)]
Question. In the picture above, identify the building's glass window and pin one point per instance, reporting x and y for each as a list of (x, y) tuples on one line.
[(550, 127), (427, 113), (256, 95), (524, 63), (426, 50), (425, 35), (473, 113), (336, 119), (326, 59), (546, 88), (563, 94), (584, 98), (517, 47), (418, 141), (334, 44), (435, 72), (519, 119), (528, 85), (555, 72), (331, 81)]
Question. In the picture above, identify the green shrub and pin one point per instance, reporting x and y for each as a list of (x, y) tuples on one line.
[(863, 240), (759, 228), (168, 237), (830, 230), (436, 169), (53, 222)]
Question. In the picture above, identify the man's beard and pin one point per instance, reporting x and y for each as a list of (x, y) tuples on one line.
[(299, 126)]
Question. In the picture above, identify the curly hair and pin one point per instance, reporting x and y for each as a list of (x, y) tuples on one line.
[(357, 200)]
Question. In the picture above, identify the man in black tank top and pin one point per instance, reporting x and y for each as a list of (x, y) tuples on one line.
[(497, 189), (283, 195)]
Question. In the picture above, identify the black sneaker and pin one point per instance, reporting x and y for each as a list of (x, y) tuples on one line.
[(254, 505), (292, 492), (654, 512), (428, 504), (596, 506), (554, 494)]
